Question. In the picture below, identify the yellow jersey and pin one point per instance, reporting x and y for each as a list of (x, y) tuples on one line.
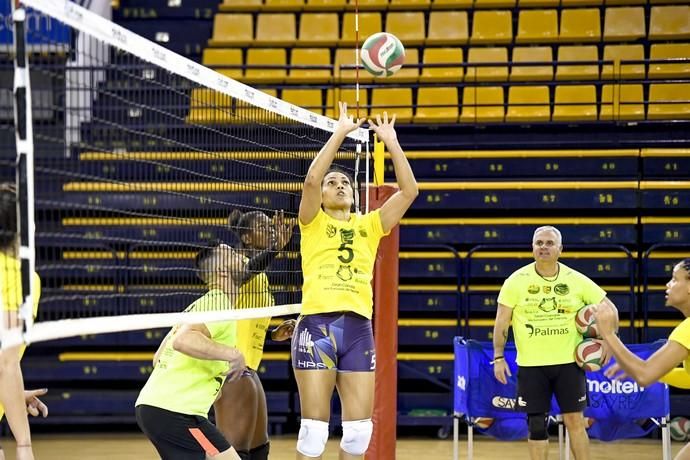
[(11, 286), (544, 313), (251, 333), (681, 335), (338, 263)]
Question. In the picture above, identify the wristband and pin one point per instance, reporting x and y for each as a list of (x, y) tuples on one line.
[(496, 359)]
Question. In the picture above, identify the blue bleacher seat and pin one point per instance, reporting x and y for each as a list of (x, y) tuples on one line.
[(428, 298), (187, 37), (665, 195), (665, 230), (153, 10)]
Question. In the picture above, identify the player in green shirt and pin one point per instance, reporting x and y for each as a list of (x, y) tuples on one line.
[(191, 366), (542, 300)]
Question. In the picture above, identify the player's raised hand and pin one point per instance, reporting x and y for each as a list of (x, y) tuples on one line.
[(347, 123), (284, 330), (35, 406), (385, 130), (284, 229)]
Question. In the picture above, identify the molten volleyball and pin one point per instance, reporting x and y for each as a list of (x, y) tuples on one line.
[(585, 322), (588, 355), (382, 54)]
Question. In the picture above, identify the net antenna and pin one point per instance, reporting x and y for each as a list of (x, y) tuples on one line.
[(166, 148)]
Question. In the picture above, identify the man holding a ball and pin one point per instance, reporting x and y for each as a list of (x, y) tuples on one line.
[(542, 300)]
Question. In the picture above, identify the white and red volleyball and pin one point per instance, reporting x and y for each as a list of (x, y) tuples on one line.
[(483, 423), (585, 321), (588, 355), (382, 54), (679, 427)]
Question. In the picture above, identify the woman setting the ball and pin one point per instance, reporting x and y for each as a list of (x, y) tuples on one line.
[(661, 366)]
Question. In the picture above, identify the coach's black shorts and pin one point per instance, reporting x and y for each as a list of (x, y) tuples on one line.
[(179, 436), (536, 385)]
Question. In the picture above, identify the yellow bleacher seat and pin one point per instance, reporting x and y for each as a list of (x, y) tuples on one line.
[(283, 5), (528, 103), (537, 26), (451, 4), (437, 105), (369, 24), (408, 26), (310, 99), (318, 29), (488, 73), (232, 30), (482, 104), (621, 102), (209, 106), (410, 70), (669, 51), (275, 29), (329, 5), (541, 3), (265, 56), (669, 101), (313, 57), (494, 3), (492, 27), (624, 24), (394, 101), (622, 53), (533, 72), (442, 74), (577, 72), (625, 2), (569, 3), (409, 5), (447, 28), (219, 57), (232, 6), (669, 22), (667, 1), (349, 95), (580, 25), (368, 5), (575, 103), (346, 57)]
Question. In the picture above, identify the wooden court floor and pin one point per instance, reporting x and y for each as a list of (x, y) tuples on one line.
[(133, 446)]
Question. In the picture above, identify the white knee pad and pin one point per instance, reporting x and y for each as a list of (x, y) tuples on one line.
[(313, 435), (356, 436)]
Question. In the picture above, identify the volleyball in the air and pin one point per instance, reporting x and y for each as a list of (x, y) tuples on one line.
[(588, 355), (585, 322), (680, 428), (382, 54)]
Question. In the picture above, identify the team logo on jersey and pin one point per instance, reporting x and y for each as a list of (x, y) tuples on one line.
[(363, 233), (304, 342), (331, 230), (538, 331), (547, 289), (548, 304), (344, 273), (561, 289), (533, 289)]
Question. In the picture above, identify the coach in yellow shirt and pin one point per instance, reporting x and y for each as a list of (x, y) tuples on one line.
[(333, 343), (661, 366), (542, 300)]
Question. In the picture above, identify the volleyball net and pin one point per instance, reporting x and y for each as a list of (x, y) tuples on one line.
[(137, 163)]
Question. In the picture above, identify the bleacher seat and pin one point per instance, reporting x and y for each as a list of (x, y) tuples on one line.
[(437, 105), (275, 29), (539, 3), (621, 102), (624, 24), (346, 57), (348, 95), (368, 5), (492, 27), (669, 23), (482, 104), (537, 26), (241, 5), (369, 24), (310, 99), (232, 30), (256, 57), (669, 101), (660, 51), (618, 54), (528, 103), (665, 163), (487, 73), (410, 70), (491, 4), (408, 26), (394, 101), (318, 29), (576, 3), (283, 5), (577, 72), (580, 25), (409, 4), (447, 28), (575, 103), (209, 106), (450, 74), (532, 55), (219, 57), (327, 5), (310, 57)]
